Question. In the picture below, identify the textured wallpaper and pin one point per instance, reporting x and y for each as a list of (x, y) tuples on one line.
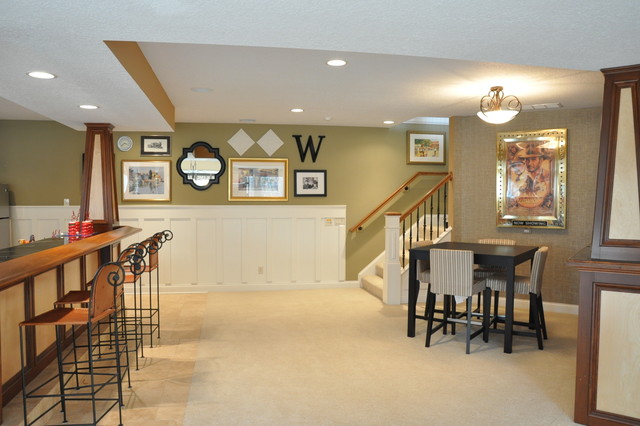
[(473, 155)]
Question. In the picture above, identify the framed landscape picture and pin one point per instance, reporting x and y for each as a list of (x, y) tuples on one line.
[(146, 180), (258, 179), (532, 179), (310, 183), (155, 145), (425, 148)]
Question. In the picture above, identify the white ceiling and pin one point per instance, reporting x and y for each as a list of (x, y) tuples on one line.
[(406, 58)]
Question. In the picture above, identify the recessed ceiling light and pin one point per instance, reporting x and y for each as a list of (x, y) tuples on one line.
[(247, 120), (88, 107), (328, 118), (41, 74), (388, 121), (337, 62), (296, 110), (201, 89)]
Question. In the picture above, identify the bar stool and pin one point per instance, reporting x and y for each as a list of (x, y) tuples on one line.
[(132, 260), (104, 372), (150, 313)]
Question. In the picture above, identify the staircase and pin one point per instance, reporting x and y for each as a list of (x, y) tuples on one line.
[(372, 277), (426, 222)]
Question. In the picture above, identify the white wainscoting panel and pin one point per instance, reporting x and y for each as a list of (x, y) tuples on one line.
[(214, 248)]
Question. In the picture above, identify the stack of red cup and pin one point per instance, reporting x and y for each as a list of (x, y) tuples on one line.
[(87, 227), (74, 228)]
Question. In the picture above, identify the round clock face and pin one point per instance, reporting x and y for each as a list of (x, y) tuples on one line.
[(125, 143)]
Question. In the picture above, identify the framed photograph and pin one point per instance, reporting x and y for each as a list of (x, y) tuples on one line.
[(425, 148), (532, 179), (310, 183), (146, 180), (155, 145), (258, 179)]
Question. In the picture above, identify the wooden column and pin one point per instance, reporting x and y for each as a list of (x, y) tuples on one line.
[(607, 373), (99, 195)]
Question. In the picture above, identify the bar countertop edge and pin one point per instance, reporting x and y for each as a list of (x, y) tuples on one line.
[(16, 270)]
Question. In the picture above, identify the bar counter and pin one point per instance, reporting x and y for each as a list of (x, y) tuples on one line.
[(32, 277), (607, 374)]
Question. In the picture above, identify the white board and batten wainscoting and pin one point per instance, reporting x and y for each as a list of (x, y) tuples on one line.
[(226, 248)]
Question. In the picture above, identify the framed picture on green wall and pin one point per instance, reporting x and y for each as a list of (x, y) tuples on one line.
[(146, 180), (310, 183), (425, 148), (258, 179)]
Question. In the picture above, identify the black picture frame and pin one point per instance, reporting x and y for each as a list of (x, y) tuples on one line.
[(155, 145), (310, 183)]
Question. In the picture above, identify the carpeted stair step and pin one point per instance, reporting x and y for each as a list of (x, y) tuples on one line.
[(373, 284)]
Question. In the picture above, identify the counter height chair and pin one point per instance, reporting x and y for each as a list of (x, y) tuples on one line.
[(452, 275), (531, 285), (485, 271), (151, 312), (102, 374), (132, 260)]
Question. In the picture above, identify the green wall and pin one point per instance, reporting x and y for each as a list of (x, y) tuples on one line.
[(42, 163)]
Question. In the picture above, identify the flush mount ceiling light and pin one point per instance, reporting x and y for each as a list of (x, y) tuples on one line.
[(388, 122), (296, 110), (337, 62), (41, 75), (88, 107), (201, 89), (495, 108)]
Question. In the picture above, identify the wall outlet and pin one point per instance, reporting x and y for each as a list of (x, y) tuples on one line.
[(66, 202)]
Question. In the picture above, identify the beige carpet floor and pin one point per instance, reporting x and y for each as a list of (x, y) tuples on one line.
[(341, 357), (336, 357)]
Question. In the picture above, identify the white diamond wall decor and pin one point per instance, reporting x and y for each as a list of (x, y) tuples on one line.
[(270, 142), (241, 142)]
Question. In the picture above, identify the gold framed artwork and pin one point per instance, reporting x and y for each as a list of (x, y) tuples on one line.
[(425, 148), (532, 179), (258, 179)]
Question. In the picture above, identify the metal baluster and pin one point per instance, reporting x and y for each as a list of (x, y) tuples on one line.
[(446, 218), (431, 219), (417, 224), (438, 212), (424, 220)]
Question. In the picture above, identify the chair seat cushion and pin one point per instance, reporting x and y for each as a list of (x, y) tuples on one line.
[(498, 282)]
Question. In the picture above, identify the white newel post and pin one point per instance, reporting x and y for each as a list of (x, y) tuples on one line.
[(392, 288)]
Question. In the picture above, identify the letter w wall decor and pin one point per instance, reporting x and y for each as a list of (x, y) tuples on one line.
[(309, 147)]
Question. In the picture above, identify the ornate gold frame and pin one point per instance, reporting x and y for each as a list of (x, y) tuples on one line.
[(532, 179)]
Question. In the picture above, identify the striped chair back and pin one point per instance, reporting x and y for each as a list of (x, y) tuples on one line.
[(501, 241), (451, 272), (537, 269)]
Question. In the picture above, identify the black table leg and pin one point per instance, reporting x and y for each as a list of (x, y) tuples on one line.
[(508, 323)]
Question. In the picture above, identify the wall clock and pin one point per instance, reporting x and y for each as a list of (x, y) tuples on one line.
[(124, 143)]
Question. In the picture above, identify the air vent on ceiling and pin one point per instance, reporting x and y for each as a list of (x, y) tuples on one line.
[(536, 107)]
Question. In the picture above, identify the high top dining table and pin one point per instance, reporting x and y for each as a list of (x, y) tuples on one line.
[(507, 257)]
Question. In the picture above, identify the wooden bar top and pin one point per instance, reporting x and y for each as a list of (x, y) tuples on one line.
[(583, 261), (17, 269)]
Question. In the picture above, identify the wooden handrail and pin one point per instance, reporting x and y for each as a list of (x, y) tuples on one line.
[(440, 184), (401, 188)]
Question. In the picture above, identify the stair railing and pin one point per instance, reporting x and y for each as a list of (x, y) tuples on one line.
[(404, 187), (432, 205)]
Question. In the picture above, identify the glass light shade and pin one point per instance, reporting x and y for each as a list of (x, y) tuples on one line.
[(498, 117)]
